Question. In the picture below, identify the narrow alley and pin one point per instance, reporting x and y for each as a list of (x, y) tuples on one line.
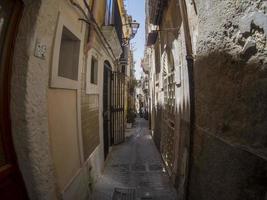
[(135, 170)]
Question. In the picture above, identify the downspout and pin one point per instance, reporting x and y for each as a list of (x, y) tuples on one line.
[(190, 65), (91, 32)]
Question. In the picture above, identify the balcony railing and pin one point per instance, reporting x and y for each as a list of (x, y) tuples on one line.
[(155, 10), (118, 21)]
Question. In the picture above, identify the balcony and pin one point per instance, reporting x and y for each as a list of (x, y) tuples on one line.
[(113, 31), (111, 35), (156, 8)]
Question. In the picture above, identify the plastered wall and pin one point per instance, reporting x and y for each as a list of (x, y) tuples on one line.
[(28, 100), (46, 122), (229, 156), (62, 115)]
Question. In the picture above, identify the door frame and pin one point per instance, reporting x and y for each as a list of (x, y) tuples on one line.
[(7, 63)]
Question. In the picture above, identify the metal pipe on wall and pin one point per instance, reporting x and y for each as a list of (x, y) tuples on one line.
[(190, 65)]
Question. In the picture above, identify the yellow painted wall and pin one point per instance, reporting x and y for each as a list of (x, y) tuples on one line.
[(62, 112), (100, 11)]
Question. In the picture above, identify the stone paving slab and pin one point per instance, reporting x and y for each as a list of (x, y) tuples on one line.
[(135, 164)]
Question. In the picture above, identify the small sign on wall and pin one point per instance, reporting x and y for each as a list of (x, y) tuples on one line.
[(40, 50)]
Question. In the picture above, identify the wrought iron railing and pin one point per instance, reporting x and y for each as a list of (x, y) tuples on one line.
[(155, 10), (118, 21)]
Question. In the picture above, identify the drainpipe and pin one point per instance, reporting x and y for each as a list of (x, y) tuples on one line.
[(91, 33), (190, 65)]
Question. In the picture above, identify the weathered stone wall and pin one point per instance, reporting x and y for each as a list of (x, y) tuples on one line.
[(28, 99), (225, 172), (229, 155), (232, 60)]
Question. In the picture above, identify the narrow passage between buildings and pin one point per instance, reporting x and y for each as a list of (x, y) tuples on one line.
[(135, 169)]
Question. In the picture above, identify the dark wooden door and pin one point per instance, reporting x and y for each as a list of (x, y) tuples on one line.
[(106, 107), (11, 183), (117, 108)]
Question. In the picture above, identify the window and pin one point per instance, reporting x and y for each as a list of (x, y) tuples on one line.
[(94, 70), (109, 12), (69, 55), (66, 54)]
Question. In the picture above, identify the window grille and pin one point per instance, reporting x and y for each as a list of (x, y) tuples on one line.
[(169, 109)]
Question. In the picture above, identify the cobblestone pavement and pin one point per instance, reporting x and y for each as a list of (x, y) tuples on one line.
[(135, 164)]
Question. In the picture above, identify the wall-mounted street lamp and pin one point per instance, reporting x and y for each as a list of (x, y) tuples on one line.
[(134, 27), (153, 35)]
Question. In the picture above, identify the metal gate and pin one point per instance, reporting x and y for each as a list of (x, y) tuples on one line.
[(117, 108), (168, 111), (169, 120)]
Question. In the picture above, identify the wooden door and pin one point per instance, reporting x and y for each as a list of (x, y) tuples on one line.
[(11, 183)]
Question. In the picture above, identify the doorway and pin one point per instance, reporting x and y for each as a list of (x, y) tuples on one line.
[(11, 182), (168, 125), (117, 108), (106, 106)]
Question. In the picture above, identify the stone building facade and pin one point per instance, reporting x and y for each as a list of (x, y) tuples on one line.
[(56, 92), (207, 69)]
